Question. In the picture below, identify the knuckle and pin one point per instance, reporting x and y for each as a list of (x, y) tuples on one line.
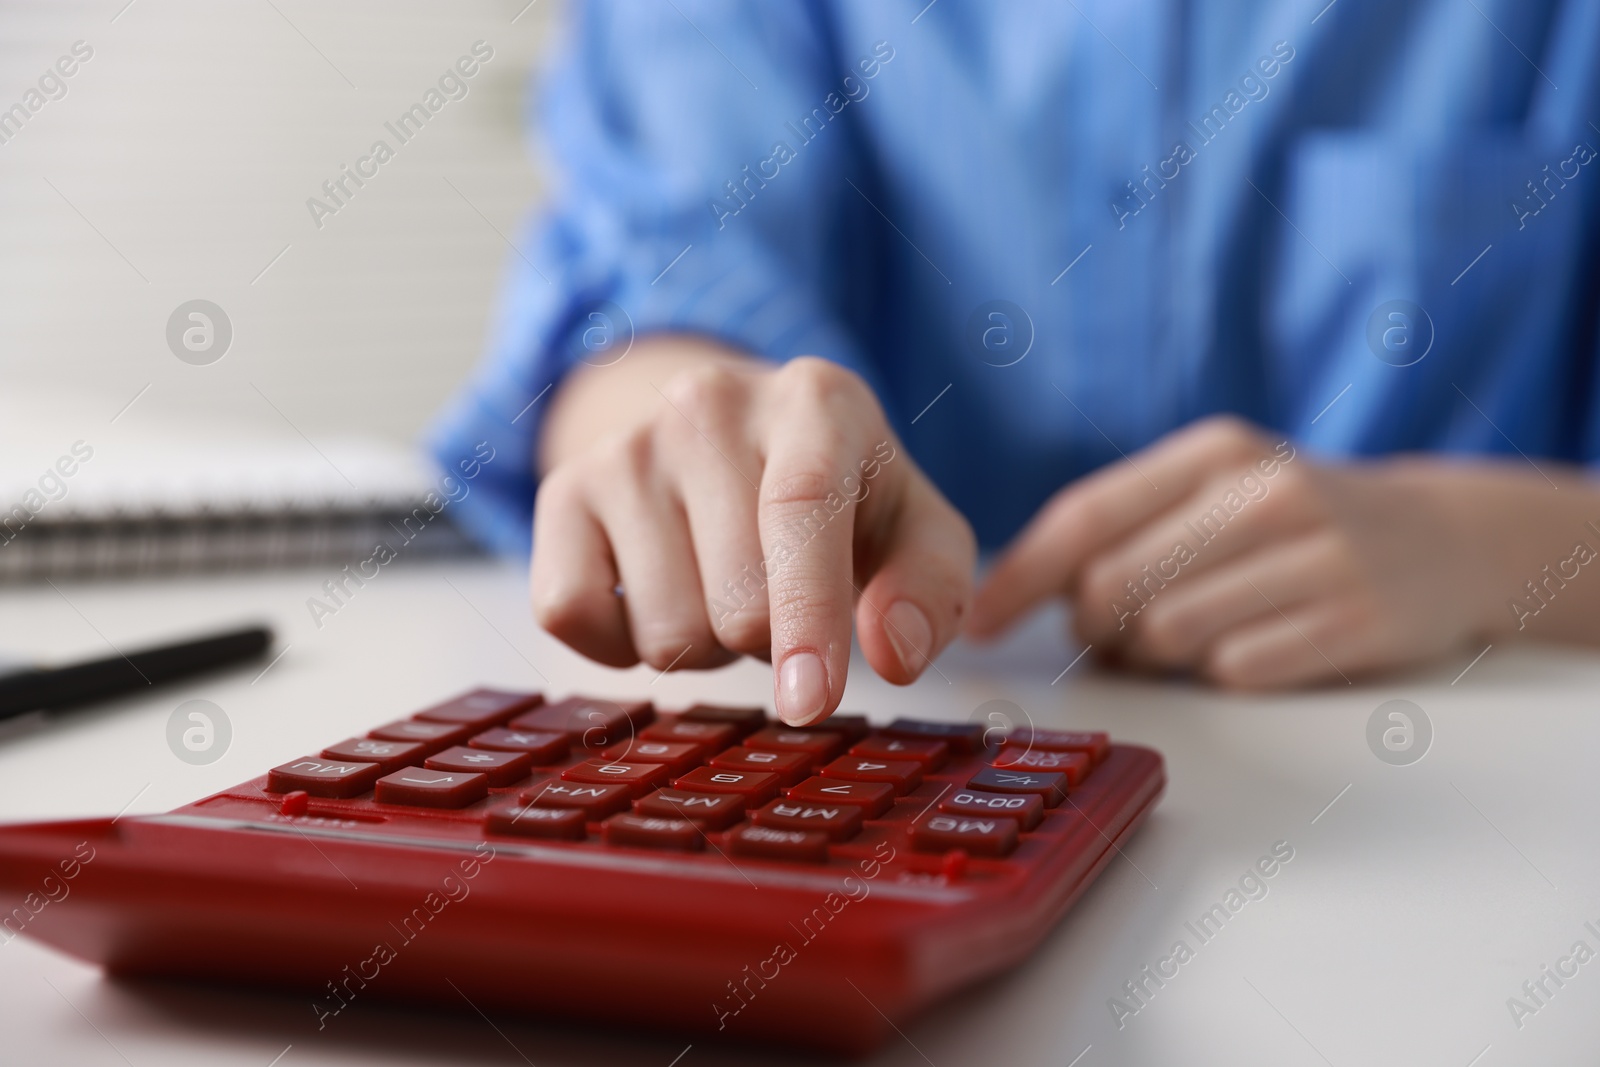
[(1231, 666), (1227, 435), (664, 644), (1164, 636), (1078, 515), (745, 630), (1295, 485), (814, 372), (559, 490), (821, 383), (628, 456), (1292, 496), (704, 392), (569, 613), (799, 486), (1103, 581)]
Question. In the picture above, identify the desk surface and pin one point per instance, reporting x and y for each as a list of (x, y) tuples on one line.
[(1418, 900)]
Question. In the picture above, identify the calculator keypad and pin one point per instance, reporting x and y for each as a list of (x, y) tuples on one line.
[(588, 723), (433, 735), (640, 778), (789, 767), (930, 754), (1093, 744), (713, 735), (676, 756), (874, 798), (794, 846), (1049, 786), (754, 787), (500, 768), (481, 707), (744, 720), (431, 789), (323, 777), (543, 746), (821, 745), (837, 822), (388, 755), (716, 811), (598, 774), (977, 835), (1075, 765), (652, 831), (528, 820), (595, 801), (904, 775), (1026, 808)]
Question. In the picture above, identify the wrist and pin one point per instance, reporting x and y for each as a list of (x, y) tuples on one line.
[(1511, 531)]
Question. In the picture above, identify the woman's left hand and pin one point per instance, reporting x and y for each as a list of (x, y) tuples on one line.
[(1224, 551)]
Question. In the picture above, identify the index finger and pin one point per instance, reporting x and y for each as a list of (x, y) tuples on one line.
[(1101, 509), (807, 524)]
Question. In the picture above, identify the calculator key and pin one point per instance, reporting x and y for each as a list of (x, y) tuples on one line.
[(745, 720), (873, 798), (904, 775), (640, 778), (820, 745), (595, 801), (543, 746), (755, 787), (837, 821), (650, 831), (976, 834), (323, 777), (481, 707), (765, 842), (790, 767), (501, 768), (931, 754), (676, 756), (1051, 786), (1026, 808), (1093, 743), (431, 789), (432, 735), (529, 820), (854, 727), (388, 755), (589, 723), (960, 736), (710, 735), (1075, 765), (714, 811)]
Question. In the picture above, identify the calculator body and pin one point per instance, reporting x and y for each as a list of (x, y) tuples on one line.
[(758, 928)]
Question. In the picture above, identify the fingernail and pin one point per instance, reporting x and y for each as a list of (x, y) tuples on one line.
[(802, 688), (911, 635)]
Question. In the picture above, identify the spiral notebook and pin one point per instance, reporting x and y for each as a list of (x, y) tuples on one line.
[(145, 503)]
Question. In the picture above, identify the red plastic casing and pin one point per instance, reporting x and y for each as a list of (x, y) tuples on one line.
[(705, 944)]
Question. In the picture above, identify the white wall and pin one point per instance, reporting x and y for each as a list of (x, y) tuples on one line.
[(191, 140)]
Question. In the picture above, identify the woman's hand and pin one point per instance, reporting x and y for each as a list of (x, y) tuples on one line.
[(742, 508), (1224, 551)]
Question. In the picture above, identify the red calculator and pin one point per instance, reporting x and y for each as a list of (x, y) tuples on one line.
[(709, 872)]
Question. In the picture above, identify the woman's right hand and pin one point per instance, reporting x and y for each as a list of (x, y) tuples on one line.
[(751, 509)]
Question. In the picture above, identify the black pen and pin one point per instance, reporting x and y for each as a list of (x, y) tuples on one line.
[(58, 688)]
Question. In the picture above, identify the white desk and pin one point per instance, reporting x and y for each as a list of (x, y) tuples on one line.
[(1413, 908)]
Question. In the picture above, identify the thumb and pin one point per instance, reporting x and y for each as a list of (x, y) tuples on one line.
[(911, 607)]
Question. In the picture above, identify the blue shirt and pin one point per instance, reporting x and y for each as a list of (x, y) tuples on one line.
[(1049, 233)]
